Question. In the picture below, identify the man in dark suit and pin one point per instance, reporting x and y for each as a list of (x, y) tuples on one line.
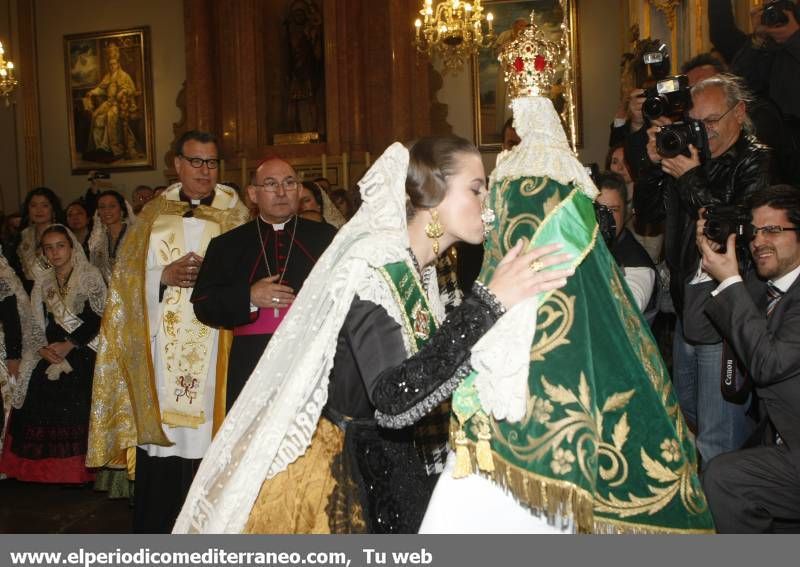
[(751, 489)]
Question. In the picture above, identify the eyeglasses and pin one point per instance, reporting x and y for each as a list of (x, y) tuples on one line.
[(197, 163), (271, 185), (770, 229), (712, 122)]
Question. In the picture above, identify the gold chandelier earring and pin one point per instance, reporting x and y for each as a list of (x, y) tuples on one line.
[(433, 230)]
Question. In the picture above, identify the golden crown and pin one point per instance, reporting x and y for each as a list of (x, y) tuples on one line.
[(529, 62)]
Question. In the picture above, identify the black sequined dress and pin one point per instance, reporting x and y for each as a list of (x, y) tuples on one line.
[(391, 472)]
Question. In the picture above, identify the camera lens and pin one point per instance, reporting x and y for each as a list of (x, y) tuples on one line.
[(713, 230), (654, 107), (773, 16), (670, 143)]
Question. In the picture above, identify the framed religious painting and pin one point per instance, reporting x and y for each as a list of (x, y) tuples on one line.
[(110, 100), (491, 105)]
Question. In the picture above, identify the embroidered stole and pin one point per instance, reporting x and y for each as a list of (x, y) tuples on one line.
[(419, 323), (185, 344)]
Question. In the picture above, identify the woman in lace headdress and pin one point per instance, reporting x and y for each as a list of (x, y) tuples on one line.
[(79, 222), (47, 435), (114, 215), (316, 205), (15, 338), (41, 208), (374, 337)]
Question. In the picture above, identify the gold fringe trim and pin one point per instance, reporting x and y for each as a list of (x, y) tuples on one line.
[(483, 451), (175, 419), (463, 460), (560, 501)]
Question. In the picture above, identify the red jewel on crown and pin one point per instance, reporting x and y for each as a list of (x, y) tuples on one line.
[(529, 62)]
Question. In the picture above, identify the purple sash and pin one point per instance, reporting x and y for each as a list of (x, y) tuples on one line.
[(266, 323)]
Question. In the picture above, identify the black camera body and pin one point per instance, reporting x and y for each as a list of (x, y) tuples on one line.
[(674, 139), (724, 220), (774, 16), (671, 97), (606, 223)]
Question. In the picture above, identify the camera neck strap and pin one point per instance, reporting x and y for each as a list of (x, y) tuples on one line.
[(735, 381)]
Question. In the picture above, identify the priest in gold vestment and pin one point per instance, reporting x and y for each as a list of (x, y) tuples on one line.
[(159, 383)]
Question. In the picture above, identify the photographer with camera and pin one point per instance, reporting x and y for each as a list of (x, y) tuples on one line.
[(709, 159), (637, 266), (759, 316), (769, 60)]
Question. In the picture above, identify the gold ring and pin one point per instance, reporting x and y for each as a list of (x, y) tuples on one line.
[(536, 265), (275, 300)]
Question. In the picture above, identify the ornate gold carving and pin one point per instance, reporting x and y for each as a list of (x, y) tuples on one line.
[(667, 7)]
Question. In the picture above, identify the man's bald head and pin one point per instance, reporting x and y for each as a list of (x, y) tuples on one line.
[(274, 187)]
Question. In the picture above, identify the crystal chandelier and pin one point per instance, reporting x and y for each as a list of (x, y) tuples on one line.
[(453, 30), (7, 80)]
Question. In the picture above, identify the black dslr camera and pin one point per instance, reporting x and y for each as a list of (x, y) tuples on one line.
[(774, 16), (724, 220), (606, 223), (670, 97), (674, 139)]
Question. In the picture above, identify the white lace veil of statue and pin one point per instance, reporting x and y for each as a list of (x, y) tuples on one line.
[(276, 414), (502, 356), (13, 390), (543, 150), (85, 283), (330, 212), (99, 254)]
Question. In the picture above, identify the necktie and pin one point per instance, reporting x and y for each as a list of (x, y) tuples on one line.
[(773, 297)]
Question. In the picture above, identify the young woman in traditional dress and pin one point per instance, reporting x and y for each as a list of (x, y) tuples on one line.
[(374, 336), (41, 208), (114, 215), (47, 435)]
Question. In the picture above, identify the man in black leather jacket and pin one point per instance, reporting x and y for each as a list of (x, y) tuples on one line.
[(674, 190)]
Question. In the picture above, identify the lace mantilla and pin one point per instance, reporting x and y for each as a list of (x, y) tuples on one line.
[(544, 148), (14, 391), (99, 253)]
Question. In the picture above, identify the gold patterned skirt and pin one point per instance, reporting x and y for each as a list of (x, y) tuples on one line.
[(314, 495)]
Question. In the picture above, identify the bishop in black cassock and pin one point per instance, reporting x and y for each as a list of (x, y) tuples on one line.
[(243, 257)]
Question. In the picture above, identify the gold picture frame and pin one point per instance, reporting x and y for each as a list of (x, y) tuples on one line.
[(110, 100), (487, 80)]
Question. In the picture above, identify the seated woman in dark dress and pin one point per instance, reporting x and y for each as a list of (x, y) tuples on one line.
[(47, 435), (301, 451), (15, 339)]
